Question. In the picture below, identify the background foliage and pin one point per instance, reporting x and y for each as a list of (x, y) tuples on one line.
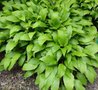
[(55, 39)]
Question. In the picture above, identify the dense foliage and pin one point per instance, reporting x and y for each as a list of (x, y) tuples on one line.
[(55, 39)]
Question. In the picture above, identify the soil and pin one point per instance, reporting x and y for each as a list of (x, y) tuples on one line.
[(14, 80)]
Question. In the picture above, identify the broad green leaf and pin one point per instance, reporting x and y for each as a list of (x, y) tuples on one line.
[(31, 65), (48, 71), (61, 70), (49, 60), (6, 62), (68, 80), (10, 45), (79, 53), (14, 29), (41, 80), (2, 48), (37, 48), (31, 34), (78, 85), (90, 74), (55, 19), (43, 38), (17, 36), (55, 36), (4, 35), (43, 13), (1, 68), (69, 31), (22, 60), (82, 78), (64, 14), (41, 68), (81, 66), (14, 59), (25, 37), (12, 18), (19, 14), (59, 55), (85, 22), (62, 36), (28, 74), (38, 24), (55, 85), (50, 79), (55, 48), (63, 50), (29, 48), (91, 51), (69, 58)]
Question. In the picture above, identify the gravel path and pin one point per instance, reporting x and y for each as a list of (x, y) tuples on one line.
[(14, 81)]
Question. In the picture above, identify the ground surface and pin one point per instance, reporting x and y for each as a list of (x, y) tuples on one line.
[(14, 81)]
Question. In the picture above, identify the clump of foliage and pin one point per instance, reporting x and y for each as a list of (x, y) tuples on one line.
[(54, 39)]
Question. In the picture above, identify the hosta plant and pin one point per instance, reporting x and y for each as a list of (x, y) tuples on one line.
[(54, 39)]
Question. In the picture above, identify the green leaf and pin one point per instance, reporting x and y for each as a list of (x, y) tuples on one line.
[(14, 29), (51, 77), (61, 70), (55, 85), (28, 74), (68, 80), (41, 68), (19, 14), (43, 38), (1, 68), (48, 71), (25, 37), (49, 60), (69, 58), (41, 80), (12, 18), (14, 59), (62, 37), (64, 14), (78, 85), (17, 36), (55, 19), (81, 66), (79, 53), (22, 60), (59, 55), (6, 62), (31, 65), (10, 45), (31, 34), (43, 13), (63, 50), (29, 48), (55, 36), (90, 74), (82, 78), (91, 51), (38, 24), (37, 48), (55, 48), (4, 35), (29, 51)]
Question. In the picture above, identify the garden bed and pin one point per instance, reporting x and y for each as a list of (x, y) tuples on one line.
[(14, 81)]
